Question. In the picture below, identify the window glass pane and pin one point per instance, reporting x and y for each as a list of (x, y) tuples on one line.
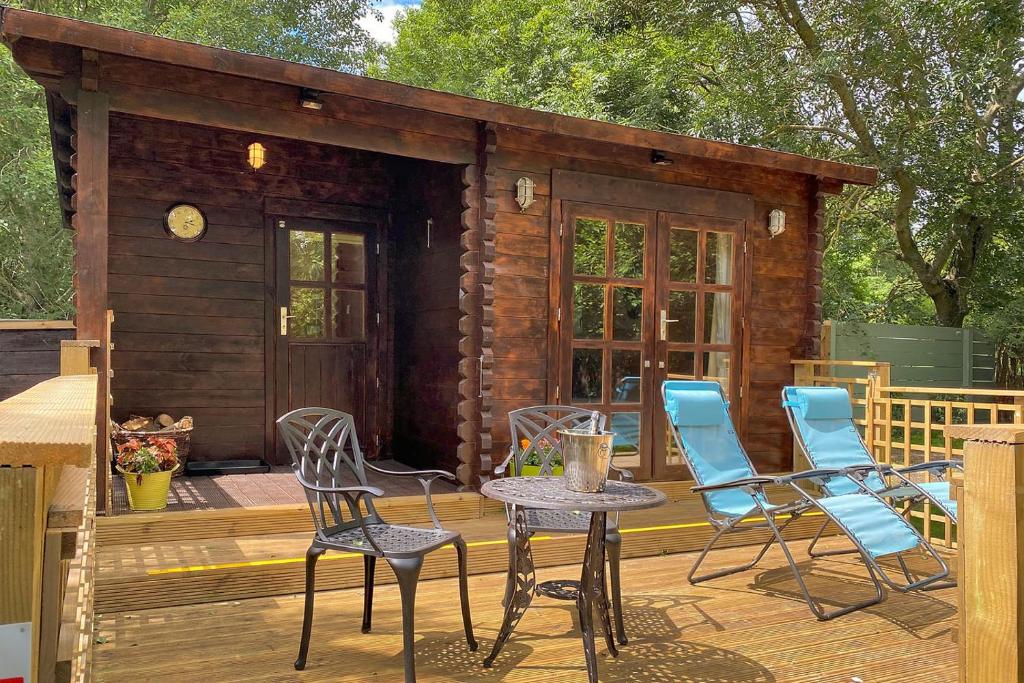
[(348, 259), (682, 307), (349, 314), (588, 253), (629, 250), (307, 310), (588, 311), (680, 365), (627, 312), (716, 367), (682, 255), (306, 255), (625, 376), (718, 264), (627, 438), (586, 375), (717, 317)]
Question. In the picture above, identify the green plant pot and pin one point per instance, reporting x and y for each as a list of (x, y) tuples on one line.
[(534, 471), (151, 492)]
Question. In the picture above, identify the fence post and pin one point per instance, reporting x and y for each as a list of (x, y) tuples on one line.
[(967, 379)]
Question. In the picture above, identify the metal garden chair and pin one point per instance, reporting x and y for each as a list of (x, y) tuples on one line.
[(324, 447), (734, 493), (535, 439), (822, 422)]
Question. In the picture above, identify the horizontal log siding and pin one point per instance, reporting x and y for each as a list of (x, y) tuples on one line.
[(776, 308), (30, 356), (189, 317)]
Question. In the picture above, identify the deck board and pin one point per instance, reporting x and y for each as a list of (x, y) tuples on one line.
[(745, 628)]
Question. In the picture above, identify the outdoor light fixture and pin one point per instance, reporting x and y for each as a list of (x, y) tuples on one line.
[(257, 155), (776, 222), (524, 193), (310, 99), (659, 158)]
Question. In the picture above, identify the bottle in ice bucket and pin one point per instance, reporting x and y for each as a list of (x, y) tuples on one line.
[(587, 455)]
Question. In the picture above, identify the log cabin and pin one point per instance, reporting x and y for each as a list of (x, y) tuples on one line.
[(271, 235)]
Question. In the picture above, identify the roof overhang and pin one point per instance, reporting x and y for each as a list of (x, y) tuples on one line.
[(16, 24)]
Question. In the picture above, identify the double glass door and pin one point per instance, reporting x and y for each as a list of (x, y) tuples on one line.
[(646, 296)]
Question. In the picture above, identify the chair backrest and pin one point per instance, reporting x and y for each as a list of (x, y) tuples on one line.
[(325, 452), (822, 422), (698, 416), (535, 433)]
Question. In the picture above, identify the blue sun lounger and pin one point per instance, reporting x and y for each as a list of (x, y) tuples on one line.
[(734, 493), (822, 423)]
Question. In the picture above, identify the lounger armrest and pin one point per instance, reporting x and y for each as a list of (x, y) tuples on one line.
[(880, 468), (735, 483), (934, 465), (810, 474)]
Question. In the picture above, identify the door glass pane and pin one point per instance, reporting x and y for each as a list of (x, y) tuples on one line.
[(349, 314), (349, 259), (718, 264), (587, 311), (306, 255), (626, 446), (682, 255), (717, 317), (625, 376), (629, 250), (680, 365), (627, 311), (307, 310), (716, 367), (586, 375), (589, 247), (682, 307)]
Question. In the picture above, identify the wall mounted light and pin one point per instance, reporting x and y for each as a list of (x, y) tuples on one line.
[(659, 158), (776, 222), (524, 193), (310, 99), (256, 156)]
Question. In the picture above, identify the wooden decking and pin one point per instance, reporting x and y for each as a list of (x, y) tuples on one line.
[(748, 628)]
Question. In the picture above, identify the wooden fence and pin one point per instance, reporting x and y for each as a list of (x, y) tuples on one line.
[(917, 355), (30, 352), (904, 425)]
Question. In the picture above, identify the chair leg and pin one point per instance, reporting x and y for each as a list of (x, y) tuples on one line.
[(467, 620), (312, 555), (369, 567), (407, 570), (613, 547), (694, 578), (826, 553)]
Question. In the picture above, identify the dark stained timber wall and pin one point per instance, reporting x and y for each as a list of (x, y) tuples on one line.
[(189, 328), (28, 356)]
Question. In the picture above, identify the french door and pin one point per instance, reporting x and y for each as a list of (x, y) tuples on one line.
[(646, 296)]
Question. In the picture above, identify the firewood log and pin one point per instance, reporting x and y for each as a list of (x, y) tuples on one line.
[(164, 420), (137, 423)]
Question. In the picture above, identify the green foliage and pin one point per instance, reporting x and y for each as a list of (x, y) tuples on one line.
[(35, 250)]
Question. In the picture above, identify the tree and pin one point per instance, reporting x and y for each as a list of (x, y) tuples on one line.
[(35, 251), (926, 91)]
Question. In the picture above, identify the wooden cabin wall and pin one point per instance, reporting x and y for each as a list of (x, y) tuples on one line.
[(521, 318), (189, 328), (425, 303)]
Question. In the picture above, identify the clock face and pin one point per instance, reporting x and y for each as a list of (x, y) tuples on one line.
[(185, 222)]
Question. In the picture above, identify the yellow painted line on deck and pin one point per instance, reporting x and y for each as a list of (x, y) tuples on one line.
[(474, 544)]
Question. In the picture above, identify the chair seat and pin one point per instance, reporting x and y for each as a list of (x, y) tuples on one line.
[(876, 526), (566, 521), (394, 540)]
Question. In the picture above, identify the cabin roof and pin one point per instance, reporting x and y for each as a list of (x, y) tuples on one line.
[(16, 23)]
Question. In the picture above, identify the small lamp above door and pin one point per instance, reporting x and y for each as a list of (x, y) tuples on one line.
[(256, 155), (776, 222), (524, 193)]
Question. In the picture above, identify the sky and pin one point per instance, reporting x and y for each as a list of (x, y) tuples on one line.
[(382, 30)]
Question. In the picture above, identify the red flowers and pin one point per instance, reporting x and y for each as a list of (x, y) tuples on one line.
[(148, 455)]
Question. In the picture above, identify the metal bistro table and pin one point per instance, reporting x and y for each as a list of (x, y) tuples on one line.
[(549, 493)]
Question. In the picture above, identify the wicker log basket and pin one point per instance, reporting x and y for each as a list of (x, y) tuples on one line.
[(163, 426)]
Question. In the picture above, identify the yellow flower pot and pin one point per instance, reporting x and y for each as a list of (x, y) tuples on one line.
[(151, 494)]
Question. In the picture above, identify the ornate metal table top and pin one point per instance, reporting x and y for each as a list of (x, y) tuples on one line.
[(550, 493)]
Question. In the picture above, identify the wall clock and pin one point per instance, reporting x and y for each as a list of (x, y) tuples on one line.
[(185, 222)]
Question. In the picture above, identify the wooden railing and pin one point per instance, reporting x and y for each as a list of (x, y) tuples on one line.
[(906, 425), (47, 518)]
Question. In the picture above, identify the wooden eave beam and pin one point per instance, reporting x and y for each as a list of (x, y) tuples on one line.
[(23, 23)]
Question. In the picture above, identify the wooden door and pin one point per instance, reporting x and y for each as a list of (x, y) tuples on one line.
[(646, 296), (328, 288)]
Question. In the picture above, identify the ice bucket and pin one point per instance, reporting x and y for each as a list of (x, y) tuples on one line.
[(586, 455)]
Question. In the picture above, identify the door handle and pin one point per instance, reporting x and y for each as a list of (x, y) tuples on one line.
[(665, 320), (284, 321)]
